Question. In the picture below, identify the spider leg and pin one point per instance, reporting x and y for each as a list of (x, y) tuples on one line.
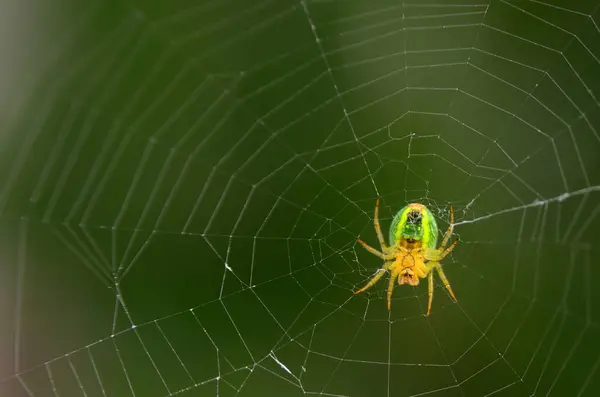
[(376, 278), (448, 250), (380, 237), (430, 279), (440, 272), (450, 228), (430, 282), (372, 250), (393, 278), (436, 255)]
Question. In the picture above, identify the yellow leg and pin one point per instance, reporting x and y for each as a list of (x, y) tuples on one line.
[(430, 277), (436, 255), (393, 278), (440, 272), (380, 237), (376, 278), (448, 250), (374, 251), (450, 228)]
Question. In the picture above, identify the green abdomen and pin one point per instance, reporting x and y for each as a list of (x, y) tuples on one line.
[(428, 226)]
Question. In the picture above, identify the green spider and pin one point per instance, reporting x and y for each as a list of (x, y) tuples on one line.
[(412, 253)]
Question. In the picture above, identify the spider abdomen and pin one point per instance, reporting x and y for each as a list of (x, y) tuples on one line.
[(414, 223)]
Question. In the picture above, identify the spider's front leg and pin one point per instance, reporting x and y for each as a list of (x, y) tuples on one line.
[(438, 267), (430, 280), (376, 278), (391, 284), (434, 257)]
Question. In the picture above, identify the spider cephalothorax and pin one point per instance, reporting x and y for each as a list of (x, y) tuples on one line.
[(411, 254)]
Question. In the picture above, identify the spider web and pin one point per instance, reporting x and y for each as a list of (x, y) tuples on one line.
[(182, 186)]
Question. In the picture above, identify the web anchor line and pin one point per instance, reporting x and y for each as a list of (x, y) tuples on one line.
[(537, 203)]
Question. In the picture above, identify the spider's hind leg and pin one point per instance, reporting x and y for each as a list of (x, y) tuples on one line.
[(436, 255), (372, 250), (450, 229), (380, 237)]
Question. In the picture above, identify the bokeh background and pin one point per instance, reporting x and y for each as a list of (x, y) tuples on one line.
[(182, 184)]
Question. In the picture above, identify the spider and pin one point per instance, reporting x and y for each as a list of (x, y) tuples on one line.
[(412, 253)]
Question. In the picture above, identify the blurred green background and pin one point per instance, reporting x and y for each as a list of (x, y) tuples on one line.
[(182, 184)]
